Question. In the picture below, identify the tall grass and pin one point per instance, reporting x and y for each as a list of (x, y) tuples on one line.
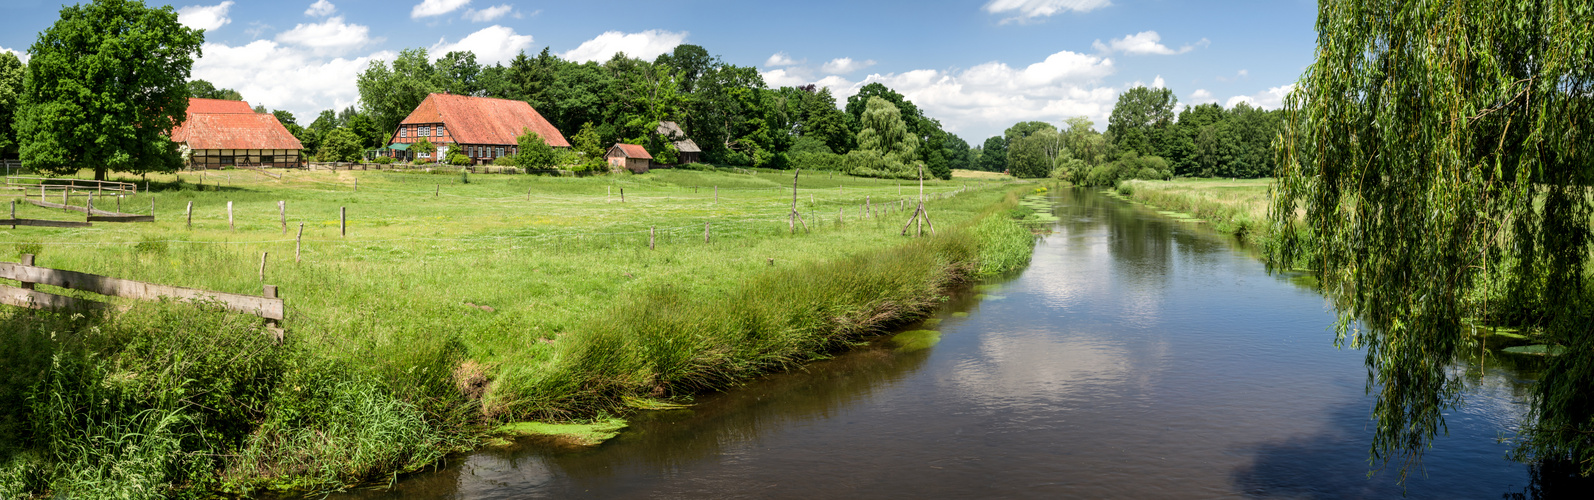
[(444, 309)]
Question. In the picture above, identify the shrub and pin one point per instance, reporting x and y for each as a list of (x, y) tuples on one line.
[(383, 160), (534, 152), (456, 158), (504, 161)]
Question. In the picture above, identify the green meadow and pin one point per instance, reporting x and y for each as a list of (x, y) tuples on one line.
[(450, 305)]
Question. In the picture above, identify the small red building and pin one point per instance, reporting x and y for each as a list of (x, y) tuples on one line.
[(630, 157), (219, 133), (481, 128)]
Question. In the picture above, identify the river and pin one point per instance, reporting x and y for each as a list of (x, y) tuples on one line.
[(1136, 357)]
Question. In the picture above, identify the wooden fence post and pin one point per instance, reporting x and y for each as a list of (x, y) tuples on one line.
[(356, 184), (716, 194), (118, 203), (152, 206), (64, 190), (263, 265), (622, 195), (298, 242), (230, 226), (88, 209), (270, 292), (190, 215), (343, 221), (437, 190), (650, 237), (13, 213), (282, 210), (26, 260), (705, 233)]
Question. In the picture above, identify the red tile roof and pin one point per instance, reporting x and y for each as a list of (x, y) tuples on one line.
[(484, 120), (632, 151), (197, 105), (218, 124)]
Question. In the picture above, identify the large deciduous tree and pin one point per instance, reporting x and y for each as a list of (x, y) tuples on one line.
[(105, 85), (883, 131), (390, 94), (1140, 118), (10, 99), (1443, 154)]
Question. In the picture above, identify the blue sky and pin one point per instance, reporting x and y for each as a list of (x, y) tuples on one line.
[(978, 66)]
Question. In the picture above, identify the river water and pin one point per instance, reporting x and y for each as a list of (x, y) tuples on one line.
[(1136, 357)]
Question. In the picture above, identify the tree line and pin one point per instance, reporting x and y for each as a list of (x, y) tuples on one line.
[(1145, 139)]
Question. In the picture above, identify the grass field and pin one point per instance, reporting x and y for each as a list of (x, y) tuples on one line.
[(453, 303), (1237, 206)]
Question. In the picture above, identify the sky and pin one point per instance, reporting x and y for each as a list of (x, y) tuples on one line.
[(978, 66)]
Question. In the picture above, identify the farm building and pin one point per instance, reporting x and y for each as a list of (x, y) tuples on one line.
[(219, 133), (689, 152), (629, 156), (482, 128)]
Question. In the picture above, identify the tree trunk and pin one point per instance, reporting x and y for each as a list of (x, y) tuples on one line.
[(99, 174)]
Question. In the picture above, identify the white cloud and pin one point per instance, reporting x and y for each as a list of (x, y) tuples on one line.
[(280, 76), (787, 77), (21, 54), (1201, 96), (780, 59), (1030, 9), (332, 36), (646, 45), (981, 101), (429, 8), (1244, 73), (493, 44), (321, 8), (1272, 98), (844, 65), (1142, 43), (488, 14), (204, 17)]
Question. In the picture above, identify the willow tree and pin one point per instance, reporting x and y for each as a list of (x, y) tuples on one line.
[(883, 131), (1441, 155)]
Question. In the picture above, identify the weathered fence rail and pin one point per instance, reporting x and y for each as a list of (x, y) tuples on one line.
[(266, 306)]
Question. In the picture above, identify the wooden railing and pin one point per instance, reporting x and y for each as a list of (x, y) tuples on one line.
[(266, 306)]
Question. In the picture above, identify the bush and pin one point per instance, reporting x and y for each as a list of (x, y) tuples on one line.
[(534, 152), (819, 160), (383, 160), (504, 161), (423, 161), (704, 167), (457, 159)]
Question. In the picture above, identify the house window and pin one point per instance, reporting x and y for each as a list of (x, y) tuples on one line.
[(425, 132), (226, 160), (500, 151), (440, 131), (403, 132), (268, 159)]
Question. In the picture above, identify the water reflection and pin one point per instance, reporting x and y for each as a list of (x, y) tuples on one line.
[(1137, 357)]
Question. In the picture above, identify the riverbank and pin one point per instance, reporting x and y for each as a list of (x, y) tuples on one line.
[(479, 301), (1235, 206)]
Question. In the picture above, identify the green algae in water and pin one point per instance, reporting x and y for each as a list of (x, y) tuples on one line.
[(1536, 350), (915, 340), (931, 323), (589, 434), (960, 314)]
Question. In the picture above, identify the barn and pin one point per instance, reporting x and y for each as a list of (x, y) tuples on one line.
[(219, 133), (481, 128), (689, 152), (630, 157)]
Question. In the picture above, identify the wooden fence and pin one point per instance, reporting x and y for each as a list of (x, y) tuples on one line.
[(267, 305)]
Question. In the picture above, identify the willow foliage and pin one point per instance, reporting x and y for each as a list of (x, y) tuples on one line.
[(1440, 151)]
